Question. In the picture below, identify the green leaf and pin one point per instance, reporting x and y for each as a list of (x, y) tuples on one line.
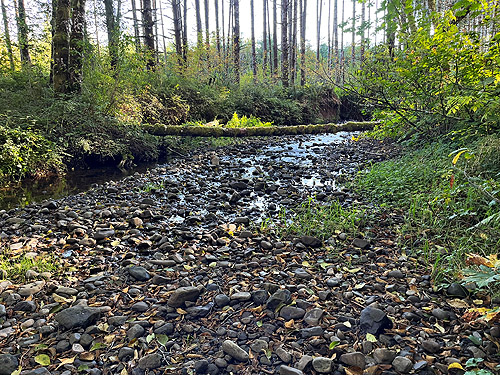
[(259, 323), (150, 337), (162, 339), (42, 359), (333, 344), (370, 337), (475, 340), (97, 346)]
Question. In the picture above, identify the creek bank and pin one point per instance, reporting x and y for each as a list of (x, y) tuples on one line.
[(168, 271)]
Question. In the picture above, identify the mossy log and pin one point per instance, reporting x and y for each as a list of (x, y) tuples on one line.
[(216, 131)]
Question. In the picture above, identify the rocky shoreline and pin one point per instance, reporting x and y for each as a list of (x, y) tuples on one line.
[(172, 271)]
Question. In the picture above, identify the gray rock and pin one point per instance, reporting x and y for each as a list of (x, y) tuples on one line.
[(383, 355), (231, 348), (140, 307), (397, 274), (457, 290), (258, 345), (311, 241), (333, 282), (431, 346), (402, 364), (440, 314), (125, 353), (314, 316), (3, 311), (304, 362), (259, 297), (222, 300), (361, 243), (160, 280), (104, 233), (355, 359), (117, 320), (183, 294), (8, 364), (31, 288), (150, 361), (292, 312), (37, 371), (283, 355), (135, 331), (281, 296), (322, 365), (311, 332), (27, 306), (301, 273), (77, 316), (241, 296), (374, 321), (286, 370), (139, 273), (66, 290), (201, 366)]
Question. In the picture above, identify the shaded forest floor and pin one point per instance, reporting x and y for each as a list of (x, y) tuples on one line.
[(251, 259)]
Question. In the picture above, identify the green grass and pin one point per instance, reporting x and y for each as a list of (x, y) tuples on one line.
[(321, 221), (15, 267), (445, 217)]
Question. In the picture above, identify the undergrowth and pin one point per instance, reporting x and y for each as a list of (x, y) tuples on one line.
[(449, 207), (15, 267)]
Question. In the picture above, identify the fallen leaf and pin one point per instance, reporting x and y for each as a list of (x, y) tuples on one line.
[(42, 359), (458, 304), (455, 365), (370, 337)]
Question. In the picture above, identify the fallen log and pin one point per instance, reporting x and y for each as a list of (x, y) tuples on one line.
[(217, 131)]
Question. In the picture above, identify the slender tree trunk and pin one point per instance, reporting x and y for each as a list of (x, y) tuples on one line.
[(275, 36), (217, 30), (254, 53), (176, 13), (236, 41), (149, 37), (52, 32), (336, 39), (207, 28), (22, 31), (157, 34), (223, 31), (290, 31), (363, 40), (293, 62), (329, 58), (77, 45), (185, 46), (353, 43), (269, 40), (342, 55), (61, 47), (199, 31), (264, 38), (7, 36), (112, 32), (319, 14), (284, 43), (163, 32), (137, 35), (303, 12)]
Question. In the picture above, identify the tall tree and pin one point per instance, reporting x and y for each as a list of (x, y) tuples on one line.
[(319, 14), (111, 28), (207, 28), (362, 30), (217, 29), (184, 32), (136, 27), (61, 47), (303, 12), (236, 40), (199, 31), (353, 43), (77, 44), (177, 20), (284, 43), (336, 39), (275, 36), (342, 56), (254, 53), (264, 37), (293, 59), (329, 34), (7, 35), (22, 32), (149, 36)]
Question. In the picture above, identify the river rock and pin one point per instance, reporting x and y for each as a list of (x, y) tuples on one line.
[(150, 361), (311, 241), (383, 355), (313, 317), (457, 290), (402, 364), (183, 294), (31, 288), (374, 321), (286, 370), (231, 348), (361, 243), (8, 364), (322, 365), (281, 296), (139, 273), (78, 316), (283, 355), (292, 312), (355, 359)]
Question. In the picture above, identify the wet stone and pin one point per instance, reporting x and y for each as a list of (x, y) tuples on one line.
[(313, 317), (183, 294), (8, 364), (241, 296), (355, 359), (231, 348), (77, 316), (402, 364), (140, 307), (139, 273), (322, 365), (383, 355), (222, 300), (286, 370), (457, 290)]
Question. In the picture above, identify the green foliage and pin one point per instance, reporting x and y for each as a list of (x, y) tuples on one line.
[(444, 208), (322, 221), (484, 277), (14, 267), (246, 122)]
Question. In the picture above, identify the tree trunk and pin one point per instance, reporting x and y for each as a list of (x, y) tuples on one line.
[(185, 46), (215, 131), (254, 53), (217, 30), (264, 38), (77, 45), (61, 47), (207, 28), (236, 40), (342, 56), (363, 40), (199, 28), (284, 43), (163, 33), (149, 36), (353, 43), (303, 12), (293, 62), (319, 14), (176, 13), (136, 27), (112, 32), (156, 33), (7, 36), (275, 36), (336, 39), (329, 59), (290, 32), (22, 31)]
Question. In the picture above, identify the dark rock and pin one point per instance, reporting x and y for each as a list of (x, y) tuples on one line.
[(355, 359), (231, 348), (183, 294), (160, 280), (281, 296), (383, 355), (431, 346), (201, 366), (292, 312), (27, 306), (125, 353), (457, 290), (259, 297), (37, 371), (222, 300), (374, 321), (285, 370), (402, 364), (150, 361), (304, 362), (311, 241), (302, 274), (440, 314), (135, 331), (322, 365), (361, 243), (139, 273), (313, 316), (77, 316), (310, 332), (140, 307), (397, 274), (8, 364)]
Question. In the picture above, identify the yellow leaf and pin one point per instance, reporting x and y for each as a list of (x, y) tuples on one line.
[(289, 324), (124, 371), (455, 365), (42, 359), (457, 156), (441, 329), (370, 337), (181, 311), (458, 304), (305, 263)]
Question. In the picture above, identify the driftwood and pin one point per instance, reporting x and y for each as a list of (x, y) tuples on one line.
[(216, 131)]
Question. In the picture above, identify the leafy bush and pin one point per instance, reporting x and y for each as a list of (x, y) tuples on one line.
[(246, 122)]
